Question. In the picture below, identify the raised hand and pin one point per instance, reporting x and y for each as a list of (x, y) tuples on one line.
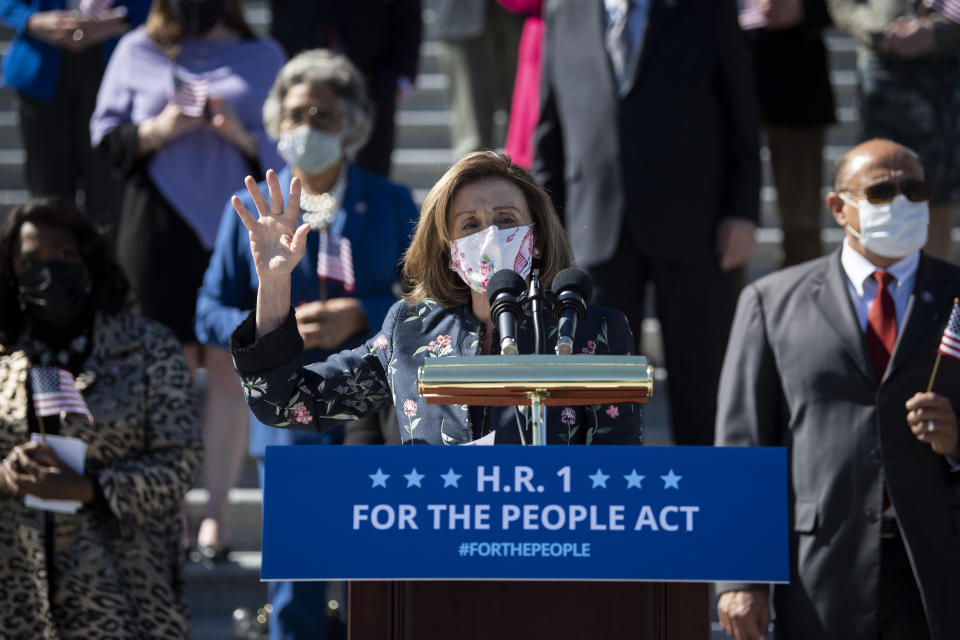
[(277, 245)]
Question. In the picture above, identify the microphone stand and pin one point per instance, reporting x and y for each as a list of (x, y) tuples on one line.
[(538, 410), (535, 297)]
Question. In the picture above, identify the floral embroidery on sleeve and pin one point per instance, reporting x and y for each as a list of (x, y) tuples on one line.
[(422, 311), (253, 388), (596, 429), (299, 413), (439, 346), (569, 417), (410, 410)]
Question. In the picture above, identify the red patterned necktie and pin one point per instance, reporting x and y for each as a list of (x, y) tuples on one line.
[(881, 324)]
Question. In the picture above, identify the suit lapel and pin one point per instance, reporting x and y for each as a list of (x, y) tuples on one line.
[(929, 304), (830, 294)]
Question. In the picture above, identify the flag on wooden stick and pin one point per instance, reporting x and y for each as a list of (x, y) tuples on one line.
[(55, 391), (950, 342), (335, 260)]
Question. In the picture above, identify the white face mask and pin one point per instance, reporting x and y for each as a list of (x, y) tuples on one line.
[(892, 230), (310, 149), (478, 256)]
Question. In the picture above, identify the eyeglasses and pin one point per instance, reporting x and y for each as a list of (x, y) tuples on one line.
[(316, 117), (884, 192)]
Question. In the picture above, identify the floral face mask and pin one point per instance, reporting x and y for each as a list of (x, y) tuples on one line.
[(478, 256)]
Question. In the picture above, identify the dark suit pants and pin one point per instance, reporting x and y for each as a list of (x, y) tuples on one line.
[(481, 71), (375, 155), (56, 138), (695, 302), (796, 156), (900, 614)]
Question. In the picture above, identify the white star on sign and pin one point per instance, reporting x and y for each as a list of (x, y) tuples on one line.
[(599, 479), (450, 479), (379, 478), (670, 480), (634, 479), (414, 478)]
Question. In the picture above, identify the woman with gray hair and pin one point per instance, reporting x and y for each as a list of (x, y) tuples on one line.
[(322, 68), (360, 227)]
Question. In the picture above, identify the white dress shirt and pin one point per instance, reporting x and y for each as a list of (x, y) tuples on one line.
[(636, 25), (863, 288)]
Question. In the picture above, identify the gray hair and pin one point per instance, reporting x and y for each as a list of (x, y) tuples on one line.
[(318, 67)]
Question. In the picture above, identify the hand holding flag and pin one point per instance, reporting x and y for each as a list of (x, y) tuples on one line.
[(948, 8), (190, 94), (55, 391), (95, 9), (949, 342)]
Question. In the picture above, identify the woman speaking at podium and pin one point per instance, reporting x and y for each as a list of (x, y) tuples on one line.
[(483, 215)]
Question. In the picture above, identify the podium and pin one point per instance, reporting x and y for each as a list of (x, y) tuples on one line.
[(526, 541), (531, 609)]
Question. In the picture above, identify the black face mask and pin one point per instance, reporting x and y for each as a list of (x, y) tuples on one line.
[(54, 292), (198, 17)]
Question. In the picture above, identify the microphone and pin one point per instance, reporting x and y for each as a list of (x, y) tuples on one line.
[(503, 294), (573, 288)]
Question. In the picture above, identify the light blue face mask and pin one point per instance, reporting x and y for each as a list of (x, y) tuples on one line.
[(309, 149)]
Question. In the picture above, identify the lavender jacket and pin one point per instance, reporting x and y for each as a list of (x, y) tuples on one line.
[(199, 171)]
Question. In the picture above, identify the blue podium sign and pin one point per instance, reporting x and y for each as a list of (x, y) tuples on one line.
[(538, 513)]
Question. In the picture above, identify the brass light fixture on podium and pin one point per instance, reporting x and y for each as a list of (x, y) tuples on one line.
[(537, 380)]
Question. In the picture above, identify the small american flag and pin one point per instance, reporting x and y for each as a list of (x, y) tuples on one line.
[(335, 260), (751, 16), (190, 94), (54, 391), (950, 343), (949, 8), (95, 8)]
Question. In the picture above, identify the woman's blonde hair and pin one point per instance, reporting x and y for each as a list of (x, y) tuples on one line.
[(426, 265)]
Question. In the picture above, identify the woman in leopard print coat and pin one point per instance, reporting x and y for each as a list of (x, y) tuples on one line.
[(112, 570)]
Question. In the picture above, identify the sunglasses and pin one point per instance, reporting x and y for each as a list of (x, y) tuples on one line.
[(884, 192)]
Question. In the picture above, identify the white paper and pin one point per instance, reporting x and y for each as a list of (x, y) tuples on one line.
[(481, 442), (73, 451)]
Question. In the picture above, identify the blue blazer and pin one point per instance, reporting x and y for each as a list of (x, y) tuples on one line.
[(33, 67), (380, 219)]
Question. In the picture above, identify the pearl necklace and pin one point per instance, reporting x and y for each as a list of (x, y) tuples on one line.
[(320, 209)]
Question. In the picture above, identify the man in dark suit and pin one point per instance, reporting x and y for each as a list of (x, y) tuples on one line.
[(831, 358), (381, 37), (647, 142)]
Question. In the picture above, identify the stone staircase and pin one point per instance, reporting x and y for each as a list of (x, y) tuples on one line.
[(422, 154)]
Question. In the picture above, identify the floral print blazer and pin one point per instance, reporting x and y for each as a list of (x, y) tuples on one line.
[(283, 393)]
